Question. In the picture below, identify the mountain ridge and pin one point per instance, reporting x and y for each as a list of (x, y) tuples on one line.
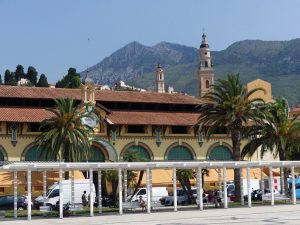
[(277, 62)]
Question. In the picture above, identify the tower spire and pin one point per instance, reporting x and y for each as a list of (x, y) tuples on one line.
[(205, 72), (160, 80)]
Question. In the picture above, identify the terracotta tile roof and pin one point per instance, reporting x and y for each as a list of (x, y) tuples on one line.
[(153, 118), (38, 92), (101, 96), (145, 97), (19, 114)]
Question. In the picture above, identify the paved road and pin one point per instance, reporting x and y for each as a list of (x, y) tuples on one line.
[(267, 215)]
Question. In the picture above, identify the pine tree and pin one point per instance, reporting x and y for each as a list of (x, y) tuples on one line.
[(6, 77), (71, 80), (43, 82), (0, 80), (32, 75), (19, 73)]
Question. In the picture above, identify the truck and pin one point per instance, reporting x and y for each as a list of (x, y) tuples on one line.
[(157, 194), (52, 196)]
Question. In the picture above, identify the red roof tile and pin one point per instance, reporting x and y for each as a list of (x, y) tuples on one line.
[(102, 96), (19, 114), (153, 118)]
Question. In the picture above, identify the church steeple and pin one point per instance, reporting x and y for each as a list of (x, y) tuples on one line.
[(160, 80), (205, 71)]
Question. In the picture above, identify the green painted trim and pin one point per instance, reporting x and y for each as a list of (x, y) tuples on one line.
[(97, 140)]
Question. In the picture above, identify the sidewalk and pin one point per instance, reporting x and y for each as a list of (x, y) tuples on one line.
[(278, 214)]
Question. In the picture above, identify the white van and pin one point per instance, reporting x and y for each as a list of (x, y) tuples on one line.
[(157, 194), (79, 187)]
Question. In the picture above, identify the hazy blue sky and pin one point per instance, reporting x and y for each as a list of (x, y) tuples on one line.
[(53, 35)]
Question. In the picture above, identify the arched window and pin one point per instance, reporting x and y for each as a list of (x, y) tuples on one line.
[(180, 153), (35, 154), (206, 64), (96, 155), (220, 153), (136, 151), (207, 83)]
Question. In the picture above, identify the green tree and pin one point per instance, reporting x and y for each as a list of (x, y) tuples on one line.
[(32, 75), (64, 137), (9, 78), (19, 73), (71, 80), (1, 80), (277, 133), (43, 82), (230, 105)]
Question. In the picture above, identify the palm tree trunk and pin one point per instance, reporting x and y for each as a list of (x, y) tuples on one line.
[(236, 142), (284, 182), (138, 184)]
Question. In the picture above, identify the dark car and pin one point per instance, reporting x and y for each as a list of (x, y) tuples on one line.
[(7, 202), (256, 195)]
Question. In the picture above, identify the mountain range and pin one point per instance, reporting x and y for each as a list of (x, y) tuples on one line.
[(277, 62)]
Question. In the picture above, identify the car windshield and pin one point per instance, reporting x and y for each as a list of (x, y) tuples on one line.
[(48, 192)]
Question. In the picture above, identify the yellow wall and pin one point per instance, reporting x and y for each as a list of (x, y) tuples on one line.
[(258, 83)]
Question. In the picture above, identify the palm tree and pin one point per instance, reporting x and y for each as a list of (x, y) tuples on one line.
[(277, 133), (133, 155), (64, 136), (230, 105)]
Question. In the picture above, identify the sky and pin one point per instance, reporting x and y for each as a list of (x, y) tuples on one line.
[(53, 35)]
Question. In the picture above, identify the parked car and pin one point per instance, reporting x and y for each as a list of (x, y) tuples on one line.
[(182, 198), (7, 202)]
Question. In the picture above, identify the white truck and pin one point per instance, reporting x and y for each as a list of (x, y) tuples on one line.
[(157, 194), (79, 187)]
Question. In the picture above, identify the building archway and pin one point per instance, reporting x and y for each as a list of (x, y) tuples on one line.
[(3, 154), (98, 154), (142, 150), (219, 152), (34, 153), (181, 152), (207, 84), (107, 149)]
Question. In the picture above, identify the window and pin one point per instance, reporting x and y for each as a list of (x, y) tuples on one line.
[(221, 130), (160, 76), (205, 53), (207, 84), (220, 153), (1, 189), (179, 130), (136, 129), (142, 192), (54, 193), (206, 64), (34, 127), (180, 153)]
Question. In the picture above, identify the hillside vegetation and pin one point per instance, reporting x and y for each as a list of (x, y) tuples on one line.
[(275, 61)]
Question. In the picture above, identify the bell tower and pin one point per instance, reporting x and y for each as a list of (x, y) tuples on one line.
[(205, 71), (160, 80)]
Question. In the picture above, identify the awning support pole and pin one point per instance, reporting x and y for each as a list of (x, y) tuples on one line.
[(225, 187), (15, 194), (61, 214), (99, 192), (120, 192), (293, 185), (91, 194), (200, 188), (29, 194), (271, 184), (174, 189), (148, 191)]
